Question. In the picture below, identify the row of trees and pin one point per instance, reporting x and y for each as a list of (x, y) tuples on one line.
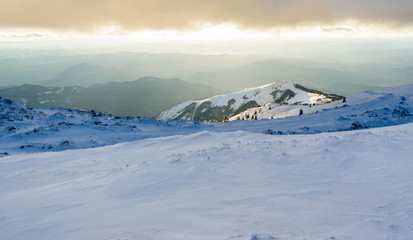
[(246, 117), (225, 119), (254, 116)]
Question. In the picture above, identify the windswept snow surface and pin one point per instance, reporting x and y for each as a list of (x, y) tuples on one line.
[(216, 185)]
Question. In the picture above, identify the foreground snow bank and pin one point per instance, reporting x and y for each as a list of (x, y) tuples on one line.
[(210, 185)]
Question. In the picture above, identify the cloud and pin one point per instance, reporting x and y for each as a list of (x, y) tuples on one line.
[(341, 28), (86, 15), (25, 35)]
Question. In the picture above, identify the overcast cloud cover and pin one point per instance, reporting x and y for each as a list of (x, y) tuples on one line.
[(86, 15)]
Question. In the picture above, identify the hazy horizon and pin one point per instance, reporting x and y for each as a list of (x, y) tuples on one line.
[(338, 47)]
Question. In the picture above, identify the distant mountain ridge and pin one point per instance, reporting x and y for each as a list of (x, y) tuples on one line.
[(310, 74), (86, 74), (144, 97), (235, 102)]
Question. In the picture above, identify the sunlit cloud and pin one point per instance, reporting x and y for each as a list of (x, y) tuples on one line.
[(207, 32), (133, 15), (204, 32), (340, 28), (27, 35)]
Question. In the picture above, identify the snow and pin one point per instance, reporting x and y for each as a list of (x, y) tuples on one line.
[(89, 175), (60, 90), (373, 102), (44, 101), (25, 129), (24, 101), (262, 95), (50, 129), (211, 185)]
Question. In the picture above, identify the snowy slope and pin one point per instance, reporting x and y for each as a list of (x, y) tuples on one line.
[(210, 185), (393, 104), (190, 180), (237, 101), (25, 129)]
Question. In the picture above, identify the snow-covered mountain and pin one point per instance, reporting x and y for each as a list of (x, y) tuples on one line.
[(187, 180), (393, 103), (235, 102), (24, 129)]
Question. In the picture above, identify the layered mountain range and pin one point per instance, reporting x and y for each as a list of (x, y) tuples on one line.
[(145, 97)]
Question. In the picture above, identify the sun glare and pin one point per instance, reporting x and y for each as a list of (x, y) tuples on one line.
[(203, 32), (208, 32)]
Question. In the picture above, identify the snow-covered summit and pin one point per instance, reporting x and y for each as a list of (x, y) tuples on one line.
[(387, 104), (234, 102)]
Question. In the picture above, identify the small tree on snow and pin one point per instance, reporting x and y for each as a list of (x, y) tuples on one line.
[(301, 112)]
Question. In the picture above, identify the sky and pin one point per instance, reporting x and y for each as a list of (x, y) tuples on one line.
[(203, 20)]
